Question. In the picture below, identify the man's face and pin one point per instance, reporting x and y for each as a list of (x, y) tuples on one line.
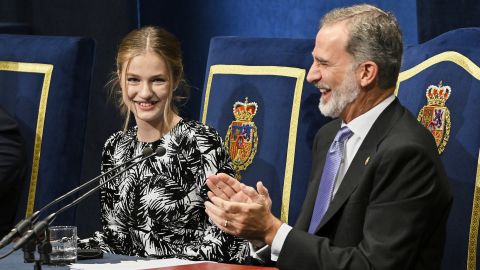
[(333, 70)]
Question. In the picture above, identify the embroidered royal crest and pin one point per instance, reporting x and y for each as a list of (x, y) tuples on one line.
[(435, 115), (241, 139)]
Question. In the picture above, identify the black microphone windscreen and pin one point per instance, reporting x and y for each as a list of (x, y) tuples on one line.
[(147, 151), (160, 151)]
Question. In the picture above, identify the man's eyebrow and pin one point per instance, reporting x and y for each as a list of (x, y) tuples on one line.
[(320, 59)]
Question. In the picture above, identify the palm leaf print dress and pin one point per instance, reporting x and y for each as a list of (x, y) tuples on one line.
[(157, 208)]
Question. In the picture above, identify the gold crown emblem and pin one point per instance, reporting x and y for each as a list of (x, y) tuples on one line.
[(438, 95), (244, 111)]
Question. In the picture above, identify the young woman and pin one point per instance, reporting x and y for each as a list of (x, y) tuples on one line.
[(157, 207)]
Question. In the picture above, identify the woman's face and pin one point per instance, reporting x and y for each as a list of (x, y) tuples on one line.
[(145, 88)]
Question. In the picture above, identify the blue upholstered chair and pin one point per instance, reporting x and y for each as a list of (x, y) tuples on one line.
[(45, 83), (257, 98), (439, 82)]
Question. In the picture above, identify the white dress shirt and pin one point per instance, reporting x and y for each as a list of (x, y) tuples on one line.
[(360, 126)]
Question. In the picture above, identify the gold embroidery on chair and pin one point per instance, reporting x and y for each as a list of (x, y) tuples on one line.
[(435, 116), (471, 68), (46, 70), (472, 240), (296, 73), (242, 137)]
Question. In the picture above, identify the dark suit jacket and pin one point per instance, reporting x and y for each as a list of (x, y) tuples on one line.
[(390, 210), (12, 170)]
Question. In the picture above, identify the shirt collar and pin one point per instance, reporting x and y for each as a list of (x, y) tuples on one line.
[(362, 124)]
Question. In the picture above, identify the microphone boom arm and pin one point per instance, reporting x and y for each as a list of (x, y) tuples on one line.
[(25, 223), (40, 227)]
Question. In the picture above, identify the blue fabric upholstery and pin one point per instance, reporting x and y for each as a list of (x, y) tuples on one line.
[(452, 59), (270, 72), (45, 83)]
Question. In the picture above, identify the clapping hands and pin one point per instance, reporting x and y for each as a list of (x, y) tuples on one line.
[(241, 210)]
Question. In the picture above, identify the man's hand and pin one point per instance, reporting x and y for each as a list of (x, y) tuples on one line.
[(226, 187), (241, 210)]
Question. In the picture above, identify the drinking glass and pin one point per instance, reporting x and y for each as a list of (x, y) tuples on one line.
[(64, 244)]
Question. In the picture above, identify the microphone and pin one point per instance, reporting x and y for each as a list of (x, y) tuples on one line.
[(160, 151), (40, 227), (26, 223)]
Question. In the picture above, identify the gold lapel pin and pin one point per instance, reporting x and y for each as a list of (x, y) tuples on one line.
[(367, 160)]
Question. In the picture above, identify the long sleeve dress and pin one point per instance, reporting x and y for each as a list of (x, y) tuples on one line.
[(157, 208)]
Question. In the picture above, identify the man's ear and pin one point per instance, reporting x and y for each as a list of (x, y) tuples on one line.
[(367, 72)]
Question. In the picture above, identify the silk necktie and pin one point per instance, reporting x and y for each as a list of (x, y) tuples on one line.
[(329, 175)]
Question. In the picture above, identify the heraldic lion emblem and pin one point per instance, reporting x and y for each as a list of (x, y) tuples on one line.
[(435, 116), (242, 138)]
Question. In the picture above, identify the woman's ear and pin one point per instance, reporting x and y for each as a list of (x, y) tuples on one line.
[(368, 72)]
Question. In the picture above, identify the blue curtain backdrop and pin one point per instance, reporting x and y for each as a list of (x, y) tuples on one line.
[(196, 22), (436, 17)]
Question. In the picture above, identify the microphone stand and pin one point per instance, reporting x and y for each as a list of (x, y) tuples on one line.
[(26, 223), (40, 231), (44, 248)]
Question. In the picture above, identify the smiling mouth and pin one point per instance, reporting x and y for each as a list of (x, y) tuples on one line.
[(324, 90), (145, 104)]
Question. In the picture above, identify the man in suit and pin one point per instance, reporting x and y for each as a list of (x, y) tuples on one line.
[(378, 197), (12, 170)]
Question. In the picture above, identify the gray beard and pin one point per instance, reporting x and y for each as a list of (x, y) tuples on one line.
[(340, 98)]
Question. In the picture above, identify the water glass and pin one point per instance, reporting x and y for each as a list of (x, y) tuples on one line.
[(64, 244)]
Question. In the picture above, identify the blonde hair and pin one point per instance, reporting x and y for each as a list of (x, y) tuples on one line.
[(164, 44), (374, 35)]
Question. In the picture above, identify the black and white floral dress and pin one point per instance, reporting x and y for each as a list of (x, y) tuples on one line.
[(157, 208)]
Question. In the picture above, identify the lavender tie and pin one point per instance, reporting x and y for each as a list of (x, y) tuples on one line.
[(329, 175)]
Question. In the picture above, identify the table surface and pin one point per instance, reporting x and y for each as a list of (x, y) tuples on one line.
[(214, 266), (15, 261)]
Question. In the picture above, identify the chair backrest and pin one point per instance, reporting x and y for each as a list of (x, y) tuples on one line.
[(440, 82), (45, 84), (257, 98)]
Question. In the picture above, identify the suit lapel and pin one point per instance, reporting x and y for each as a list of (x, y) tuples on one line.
[(379, 130)]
